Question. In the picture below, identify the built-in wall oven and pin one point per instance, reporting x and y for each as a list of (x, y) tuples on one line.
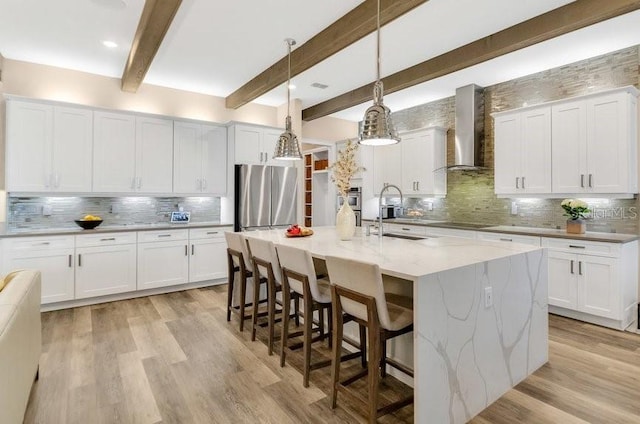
[(354, 197)]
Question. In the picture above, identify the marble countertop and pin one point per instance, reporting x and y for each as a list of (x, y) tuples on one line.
[(527, 231), (5, 232), (408, 259)]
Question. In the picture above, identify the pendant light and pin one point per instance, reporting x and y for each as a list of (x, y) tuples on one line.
[(288, 147), (377, 127)]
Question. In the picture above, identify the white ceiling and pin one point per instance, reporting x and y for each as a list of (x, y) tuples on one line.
[(215, 46)]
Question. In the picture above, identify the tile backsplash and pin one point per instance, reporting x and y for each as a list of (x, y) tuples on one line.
[(27, 212)]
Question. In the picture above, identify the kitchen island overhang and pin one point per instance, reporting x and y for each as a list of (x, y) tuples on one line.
[(470, 345)]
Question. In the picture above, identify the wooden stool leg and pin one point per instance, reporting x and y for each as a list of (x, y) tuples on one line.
[(373, 373), (336, 350), (296, 305), (363, 346), (230, 286), (321, 322), (257, 282), (271, 315), (286, 306), (330, 324), (308, 323), (243, 297), (383, 357)]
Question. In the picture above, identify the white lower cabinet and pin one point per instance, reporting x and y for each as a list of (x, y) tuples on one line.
[(593, 281), (208, 254), (163, 258), (510, 238), (52, 256), (105, 264)]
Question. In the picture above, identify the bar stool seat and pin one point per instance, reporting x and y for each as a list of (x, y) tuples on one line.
[(358, 293)]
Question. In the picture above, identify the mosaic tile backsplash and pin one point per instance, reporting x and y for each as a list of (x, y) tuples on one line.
[(27, 212)]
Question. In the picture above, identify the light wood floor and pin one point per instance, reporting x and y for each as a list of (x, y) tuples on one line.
[(174, 359)]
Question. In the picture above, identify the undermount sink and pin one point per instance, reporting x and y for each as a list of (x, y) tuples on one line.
[(404, 236)]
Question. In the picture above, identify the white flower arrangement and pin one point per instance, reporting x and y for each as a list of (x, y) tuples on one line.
[(575, 208), (345, 168)]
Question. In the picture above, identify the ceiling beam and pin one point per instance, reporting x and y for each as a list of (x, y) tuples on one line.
[(155, 20), (554, 23), (350, 28)]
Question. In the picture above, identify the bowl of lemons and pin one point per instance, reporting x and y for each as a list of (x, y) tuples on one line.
[(89, 222)]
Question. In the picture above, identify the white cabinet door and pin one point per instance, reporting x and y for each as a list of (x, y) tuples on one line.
[(248, 145), (187, 163), (114, 153), (270, 139), (72, 150), (104, 270), (386, 164), (413, 150), (607, 144), (214, 160), (162, 264), (154, 155), (569, 151), (208, 260), (507, 153), (29, 140), (56, 267), (536, 151), (423, 158), (598, 286), (563, 277)]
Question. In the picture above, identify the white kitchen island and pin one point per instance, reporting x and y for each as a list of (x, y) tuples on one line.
[(469, 346)]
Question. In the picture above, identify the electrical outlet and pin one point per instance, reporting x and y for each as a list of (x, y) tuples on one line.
[(488, 297), (115, 208), (46, 210), (514, 208), (430, 206)]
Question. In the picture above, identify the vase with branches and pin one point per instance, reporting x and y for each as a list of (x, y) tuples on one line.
[(342, 171)]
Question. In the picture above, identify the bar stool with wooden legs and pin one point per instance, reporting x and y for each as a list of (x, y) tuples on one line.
[(299, 280), (239, 263), (266, 268), (357, 291)]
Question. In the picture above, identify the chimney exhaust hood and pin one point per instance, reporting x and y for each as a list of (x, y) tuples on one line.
[(469, 128)]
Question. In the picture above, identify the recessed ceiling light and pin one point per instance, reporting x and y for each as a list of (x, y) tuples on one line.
[(292, 86), (110, 44)]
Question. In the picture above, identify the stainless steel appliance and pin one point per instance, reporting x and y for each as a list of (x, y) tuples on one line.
[(354, 197), (265, 197), (389, 212)]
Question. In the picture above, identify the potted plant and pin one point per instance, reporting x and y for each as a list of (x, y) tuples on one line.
[(575, 209), (342, 171)]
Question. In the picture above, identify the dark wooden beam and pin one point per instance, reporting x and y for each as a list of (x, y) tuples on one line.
[(155, 20), (563, 20), (350, 28)]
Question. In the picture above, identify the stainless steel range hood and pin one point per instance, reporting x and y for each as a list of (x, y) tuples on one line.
[(469, 127)]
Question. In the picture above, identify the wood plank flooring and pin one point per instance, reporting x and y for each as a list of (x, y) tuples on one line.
[(173, 358)]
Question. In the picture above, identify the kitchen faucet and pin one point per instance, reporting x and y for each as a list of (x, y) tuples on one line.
[(380, 205)]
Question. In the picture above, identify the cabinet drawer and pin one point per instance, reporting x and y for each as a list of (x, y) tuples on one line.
[(450, 232), (105, 239), (38, 243), (584, 247), (207, 233), (162, 235), (530, 240), (405, 229)]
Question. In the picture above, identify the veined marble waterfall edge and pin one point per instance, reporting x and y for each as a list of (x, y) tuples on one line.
[(468, 355)]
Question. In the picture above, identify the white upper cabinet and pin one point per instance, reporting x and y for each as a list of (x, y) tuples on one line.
[(594, 145), (48, 148), (255, 145), (387, 167), (132, 154), (592, 142), (200, 159), (423, 162), (523, 152)]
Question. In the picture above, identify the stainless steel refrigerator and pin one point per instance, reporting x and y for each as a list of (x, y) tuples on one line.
[(265, 197)]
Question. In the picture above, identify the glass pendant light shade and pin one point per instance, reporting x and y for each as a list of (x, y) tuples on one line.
[(288, 147), (377, 126)]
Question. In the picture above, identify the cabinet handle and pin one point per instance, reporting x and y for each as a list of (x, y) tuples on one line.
[(186, 250), (582, 180), (523, 182), (590, 180), (45, 243), (79, 259), (506, 239), (164, 235), (517, 182), (572, 266), (70, 260), (576, 246), (212, 232), (261, 157), (406, 229), (193, 249), (108, 239), (580, 267)]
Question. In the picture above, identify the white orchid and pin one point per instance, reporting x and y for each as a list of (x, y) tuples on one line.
[(575, 208)]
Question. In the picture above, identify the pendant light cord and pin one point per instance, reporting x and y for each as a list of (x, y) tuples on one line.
[(289, 41), (378, 44)]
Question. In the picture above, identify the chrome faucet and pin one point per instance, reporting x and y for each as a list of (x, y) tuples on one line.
[(387, 186)]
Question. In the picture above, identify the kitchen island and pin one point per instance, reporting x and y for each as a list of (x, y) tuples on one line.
[(480, 313)]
